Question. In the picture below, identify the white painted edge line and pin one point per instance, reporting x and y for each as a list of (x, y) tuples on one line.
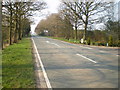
[(43, 69), (108, 52), (117, 55), (85, 47), (86, 58), (67, 42), (75, 45)]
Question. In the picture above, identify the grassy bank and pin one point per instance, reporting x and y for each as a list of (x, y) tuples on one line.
[(17, 66), (89, 42), (63, 39)]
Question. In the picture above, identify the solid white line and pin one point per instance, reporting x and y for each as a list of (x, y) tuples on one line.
[(75, 45), (43, 69), (87, 58), (67, 42)]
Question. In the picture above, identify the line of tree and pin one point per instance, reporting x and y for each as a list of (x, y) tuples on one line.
[(81, 17), (55, 26), (16, 19), (0, 25), (85, 13)]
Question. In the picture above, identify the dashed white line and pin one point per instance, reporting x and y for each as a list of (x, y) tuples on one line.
[(47, 41), (43, 69), (86, 58), (103, 51), (53, 43)]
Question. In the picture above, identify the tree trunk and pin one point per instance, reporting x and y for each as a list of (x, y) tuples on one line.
[(85, 30), (75, 32), (1, 43), (16, 27), (10, 24), (16, 33), (20, 32)]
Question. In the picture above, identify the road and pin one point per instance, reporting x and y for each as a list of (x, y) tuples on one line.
[(77, 66)]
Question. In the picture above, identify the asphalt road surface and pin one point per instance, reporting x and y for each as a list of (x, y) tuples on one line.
[(77, 66)]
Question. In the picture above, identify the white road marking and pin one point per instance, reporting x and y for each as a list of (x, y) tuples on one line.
[(75, 45), (103, 51), (86, 58), (47, 41), (53, 43), (108, 52), (43, 69), (67, 42), (85, 47)]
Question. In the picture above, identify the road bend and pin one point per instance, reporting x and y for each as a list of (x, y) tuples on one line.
[(77, 66)]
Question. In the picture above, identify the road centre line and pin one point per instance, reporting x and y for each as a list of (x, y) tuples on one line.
[(42, 66), (53, 43), (86, 58), (103, 51), (75, 45), (47, 41), (87, 47)]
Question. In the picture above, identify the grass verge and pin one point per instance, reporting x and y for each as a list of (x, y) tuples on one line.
[(63, 39), (17, 66)]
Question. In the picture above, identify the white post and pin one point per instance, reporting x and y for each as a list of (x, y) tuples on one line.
[(107, 44), (82, 40)]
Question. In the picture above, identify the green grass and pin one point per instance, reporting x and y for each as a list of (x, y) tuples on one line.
[(0, 69), (63, 39), (17, 66)]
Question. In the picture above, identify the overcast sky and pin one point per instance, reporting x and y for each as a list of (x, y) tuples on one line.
[(52, 8)]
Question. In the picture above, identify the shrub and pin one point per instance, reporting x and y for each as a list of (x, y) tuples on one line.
[(92, 43), (88, 41), (118, 43), (110, 42), (99, 43)]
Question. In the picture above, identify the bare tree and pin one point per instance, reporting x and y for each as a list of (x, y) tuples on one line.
[(67, 13), (16, 14), (1, 42), (56, 26), (86, 10)]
